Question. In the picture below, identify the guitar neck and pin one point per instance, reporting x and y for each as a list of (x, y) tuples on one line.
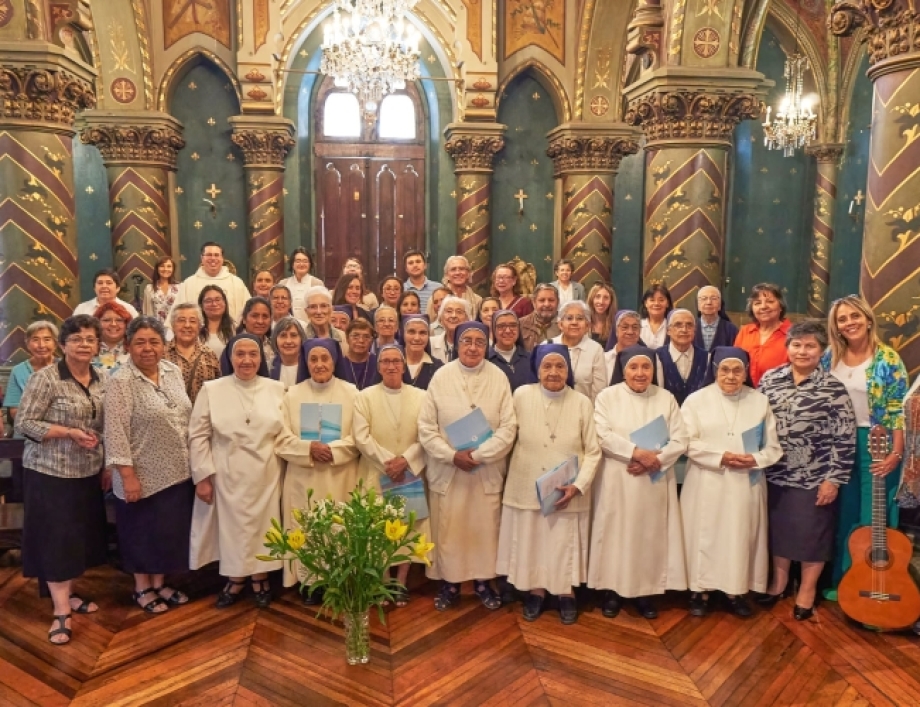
[(879, 513)]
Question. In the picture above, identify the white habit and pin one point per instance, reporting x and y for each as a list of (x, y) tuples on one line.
[(637, 547), (466, 506), (724, 510), (337, 479), (234, 288), (246, 474)]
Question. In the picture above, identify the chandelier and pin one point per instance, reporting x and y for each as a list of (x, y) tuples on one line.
[(371, 50), (794, 126)]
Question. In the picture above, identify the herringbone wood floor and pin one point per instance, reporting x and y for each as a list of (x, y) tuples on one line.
[(199, 655)]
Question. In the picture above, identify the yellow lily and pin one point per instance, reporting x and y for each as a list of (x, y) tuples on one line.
[(338, 519), (273, 536), (296, 539), (298, 516), (422, 548), (396, 530)]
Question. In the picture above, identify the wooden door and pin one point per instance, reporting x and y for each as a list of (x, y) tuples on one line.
[(342, 214), (398, 207)]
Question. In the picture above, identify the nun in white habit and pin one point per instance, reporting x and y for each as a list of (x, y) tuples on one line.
[(637, 547), (724, 499), (232, 433)]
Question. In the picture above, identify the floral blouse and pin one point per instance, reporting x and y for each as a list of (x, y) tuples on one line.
[(157, 304), (887, 383)]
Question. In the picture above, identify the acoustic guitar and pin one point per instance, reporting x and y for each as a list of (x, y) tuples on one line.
[(878, 590)]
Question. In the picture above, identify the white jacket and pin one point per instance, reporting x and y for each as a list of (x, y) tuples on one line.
[(234, 288)]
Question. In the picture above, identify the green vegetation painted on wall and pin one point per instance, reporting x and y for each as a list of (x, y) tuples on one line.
[(94, 237), (629, 200), (769, 235), (854, 171), (522, 167), (210, 186)]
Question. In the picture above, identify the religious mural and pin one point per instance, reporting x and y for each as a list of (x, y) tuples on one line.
[(184, 17), (539, 23)]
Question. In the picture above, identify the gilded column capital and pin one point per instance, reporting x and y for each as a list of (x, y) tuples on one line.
[(894, 26), (594, 148), (133, 137), (42, 85), (826, 152), (473, 146), (265, 141)]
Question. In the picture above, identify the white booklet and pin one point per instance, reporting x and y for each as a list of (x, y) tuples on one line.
[(548, 493)]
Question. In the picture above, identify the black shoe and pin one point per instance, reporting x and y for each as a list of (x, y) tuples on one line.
[(533, 607), (506, 590), (314, 597), (568, 610), (448, 595), (227, 597), (646, 607), (768, 600), (800, 614), (610, 607), (699, 606), (263, 596), (740, 606)]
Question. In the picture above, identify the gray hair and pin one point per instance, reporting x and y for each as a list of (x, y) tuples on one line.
[(577, 304), (809, 327), (453, 299), (387, 308), (545, 286), (282, 325), (452, 259), (41, 325), (182, 307), (139, 323), (317, 290)]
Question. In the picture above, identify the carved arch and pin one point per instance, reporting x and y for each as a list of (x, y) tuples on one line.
[(181, 66), (545, 78)]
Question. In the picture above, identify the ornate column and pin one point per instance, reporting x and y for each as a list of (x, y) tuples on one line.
[(41, 89), (265, 142), (586, 156), (139, 150), (822, 243), (689, 123), (473, 147), (890, 277)]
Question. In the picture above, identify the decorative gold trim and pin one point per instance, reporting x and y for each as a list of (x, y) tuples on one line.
[(848, 80), (181, 61), (140, 14), (581, 67), (239, 24), (750, 45), (560, 99), (98, 80)]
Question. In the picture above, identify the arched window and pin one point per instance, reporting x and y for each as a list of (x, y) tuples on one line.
[(397, 118), (342, 116)]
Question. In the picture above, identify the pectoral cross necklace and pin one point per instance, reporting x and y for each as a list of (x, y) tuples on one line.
[(252, 402), (730, 425), (547, 405)]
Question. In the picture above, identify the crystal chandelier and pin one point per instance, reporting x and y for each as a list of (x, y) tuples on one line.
[(794, 126), (371, 50)]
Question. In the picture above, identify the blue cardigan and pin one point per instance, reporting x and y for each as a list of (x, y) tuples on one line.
[(673, 383), (726, 331), (517, 370)]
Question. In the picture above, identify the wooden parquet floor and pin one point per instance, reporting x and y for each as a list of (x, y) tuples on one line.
[(199, 655)]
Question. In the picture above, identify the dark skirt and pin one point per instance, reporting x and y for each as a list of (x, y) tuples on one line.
[(63, 532), (800, 530), (153, 533)]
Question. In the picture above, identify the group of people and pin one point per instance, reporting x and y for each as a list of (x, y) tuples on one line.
[(212, 419)]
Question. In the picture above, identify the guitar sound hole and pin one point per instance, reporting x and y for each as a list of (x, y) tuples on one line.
[(878, 558)]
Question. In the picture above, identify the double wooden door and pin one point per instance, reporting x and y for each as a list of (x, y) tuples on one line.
[(370, 205)]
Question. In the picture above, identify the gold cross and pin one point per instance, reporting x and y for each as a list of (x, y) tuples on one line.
[(520, 196), (212, 122), (859, 197), (213, 191)]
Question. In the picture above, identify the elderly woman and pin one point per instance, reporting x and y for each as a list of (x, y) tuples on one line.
[(714, 327), (602, 301), (232, 435), (454, 311), (466, 484), (281, 302), (319, 312), (420, 366), (765, 338), (195, 359), (655, 307), (112, 352), (386, 324), (587, 356), (146, 442), (508, 352), (358, 365), (60, 416), (681, 365), (160, 293), (300, 280), (549, 553), (876, 380), (386, 434), (106, 284), (642, 434), (341, 317), (257, 320), (817, 431), (506, 289), (41, 343), (724, 499), (625, 333), (217, 329), (289, 365), (328, 467), (487, 309)]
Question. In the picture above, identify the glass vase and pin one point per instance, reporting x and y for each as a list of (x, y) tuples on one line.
[(357, 637)]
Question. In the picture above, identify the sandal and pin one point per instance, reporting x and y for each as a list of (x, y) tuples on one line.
[(176, 598), (487, 596), (263, 595), (84, 607), (448, 595), (152, 606), (61, 630), (401, 597), (226, 597)]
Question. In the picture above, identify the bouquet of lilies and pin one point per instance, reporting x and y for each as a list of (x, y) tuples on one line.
[(345, 548)]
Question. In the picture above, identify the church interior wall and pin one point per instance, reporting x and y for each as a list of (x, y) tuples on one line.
[(91, 192)]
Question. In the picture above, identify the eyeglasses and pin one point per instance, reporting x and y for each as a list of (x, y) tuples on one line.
[(505, 327), (216, 300), (682, 325), (77, 340), (389, 363), (473, 343), (574, 318)]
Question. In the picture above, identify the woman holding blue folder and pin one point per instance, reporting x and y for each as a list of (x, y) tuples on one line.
[(543, 543), (637, 547)]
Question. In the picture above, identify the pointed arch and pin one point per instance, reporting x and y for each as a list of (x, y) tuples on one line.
[(545, 78), (181, 66)]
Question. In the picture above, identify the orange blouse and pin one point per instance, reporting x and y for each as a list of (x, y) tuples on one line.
[(770, 354)]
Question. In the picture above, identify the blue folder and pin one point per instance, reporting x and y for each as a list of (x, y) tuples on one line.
[(321, 422), (469, 431), (654, 435)]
